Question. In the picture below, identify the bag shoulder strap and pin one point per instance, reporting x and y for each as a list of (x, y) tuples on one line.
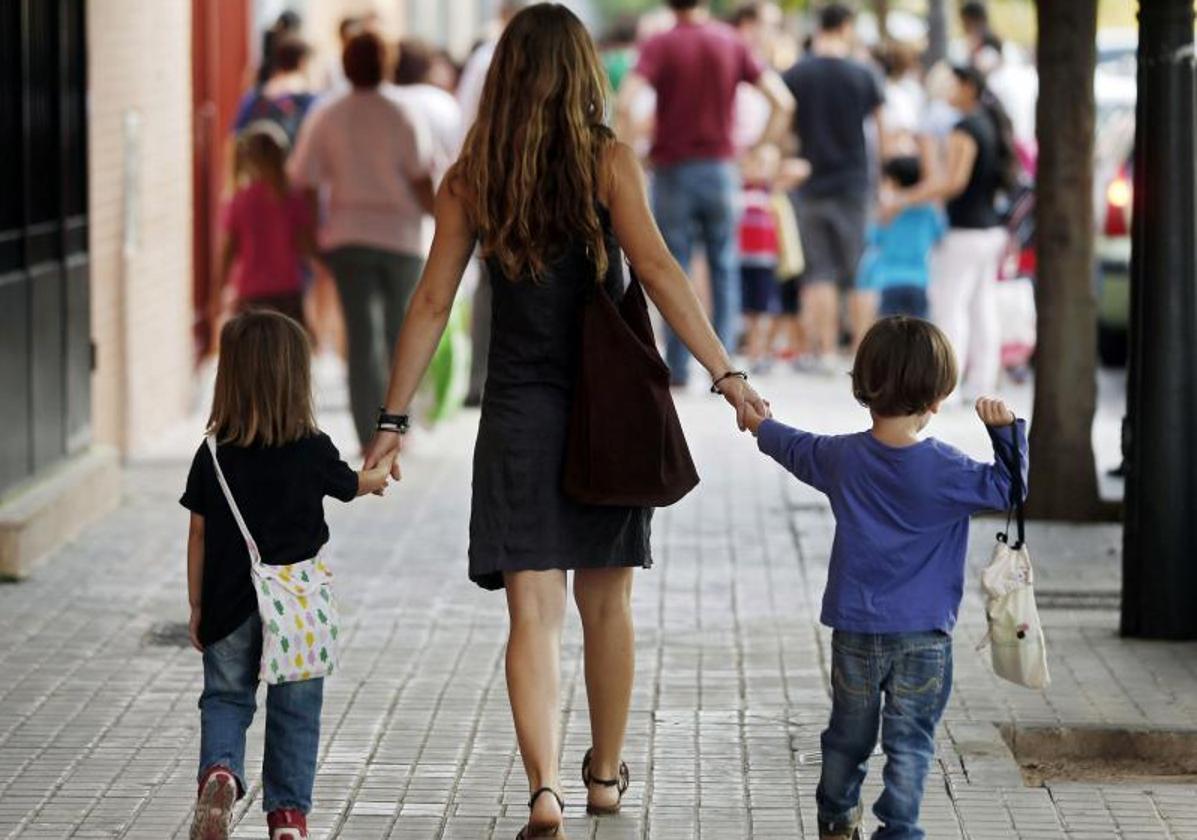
[(252, 546)]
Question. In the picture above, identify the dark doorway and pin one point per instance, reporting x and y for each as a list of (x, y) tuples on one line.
[(219, 58), (45, 330)]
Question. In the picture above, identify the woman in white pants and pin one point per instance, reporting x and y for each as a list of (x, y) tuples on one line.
[(964, 269)]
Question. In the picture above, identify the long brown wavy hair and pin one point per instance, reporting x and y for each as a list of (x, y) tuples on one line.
[(529, 168)]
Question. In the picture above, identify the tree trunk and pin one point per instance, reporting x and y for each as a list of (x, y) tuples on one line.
[(881, 12), (1063, 481), (937, 32)]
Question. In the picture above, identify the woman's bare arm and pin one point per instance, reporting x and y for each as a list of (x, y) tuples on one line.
[(426, 316), (950, 181), (663, 279)]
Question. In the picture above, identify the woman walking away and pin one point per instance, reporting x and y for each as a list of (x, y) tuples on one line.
[(551, 199), (268, 227), (981, 161), (370, 156)]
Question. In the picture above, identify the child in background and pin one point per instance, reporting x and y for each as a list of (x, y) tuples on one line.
[(268, 227), (279, 467), (897, 261), (902, 505), (758, 252)]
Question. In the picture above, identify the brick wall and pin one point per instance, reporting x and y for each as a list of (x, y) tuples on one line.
[(139, 63)]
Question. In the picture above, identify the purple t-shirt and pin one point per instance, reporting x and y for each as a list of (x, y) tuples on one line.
[(695, 68), (901, 520)]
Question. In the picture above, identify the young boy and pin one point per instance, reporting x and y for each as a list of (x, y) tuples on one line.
[(899, 251), (902, 505)]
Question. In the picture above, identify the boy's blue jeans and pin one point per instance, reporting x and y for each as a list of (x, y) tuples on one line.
[(898, 683), (227, 708)]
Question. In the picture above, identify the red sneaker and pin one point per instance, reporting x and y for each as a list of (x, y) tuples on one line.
[(214, 805), (287, 824)]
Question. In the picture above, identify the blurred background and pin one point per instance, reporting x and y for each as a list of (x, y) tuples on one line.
[(120, 119)]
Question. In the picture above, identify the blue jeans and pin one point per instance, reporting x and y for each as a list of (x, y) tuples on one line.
[(696, 200), (899, 682), (904, 300), (227, 709)]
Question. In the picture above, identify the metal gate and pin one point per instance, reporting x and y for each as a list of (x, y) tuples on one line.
[(45, 333)]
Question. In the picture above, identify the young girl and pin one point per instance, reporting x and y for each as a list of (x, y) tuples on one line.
[(268, 227), (279, 467)]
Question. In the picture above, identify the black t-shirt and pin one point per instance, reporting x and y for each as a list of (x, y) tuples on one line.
[(975, 208), (280, 491), (834, 97)]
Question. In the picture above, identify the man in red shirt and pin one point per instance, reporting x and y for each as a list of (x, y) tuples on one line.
[(694, 68)]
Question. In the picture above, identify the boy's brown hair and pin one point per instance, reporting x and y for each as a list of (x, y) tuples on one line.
[(904, 366), (263, 382)]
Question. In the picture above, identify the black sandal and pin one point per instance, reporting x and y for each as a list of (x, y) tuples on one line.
[(620, 784), (530, 831)]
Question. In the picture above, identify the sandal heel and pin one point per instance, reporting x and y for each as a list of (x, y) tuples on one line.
[(620, 784), (532, 831)]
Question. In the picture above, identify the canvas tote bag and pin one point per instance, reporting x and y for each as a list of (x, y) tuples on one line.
[(300, 620), (1017, 646)]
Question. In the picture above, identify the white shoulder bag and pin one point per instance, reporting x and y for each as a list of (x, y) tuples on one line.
[(299, 613), (1017, 647)]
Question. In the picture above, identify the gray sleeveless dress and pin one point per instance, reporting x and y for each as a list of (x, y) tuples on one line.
[(520, 519)]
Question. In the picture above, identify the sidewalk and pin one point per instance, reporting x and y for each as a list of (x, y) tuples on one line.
[(98, 727)]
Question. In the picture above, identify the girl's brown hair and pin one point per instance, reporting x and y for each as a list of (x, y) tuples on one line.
[(261, 155), (263, 382), (529, 168)]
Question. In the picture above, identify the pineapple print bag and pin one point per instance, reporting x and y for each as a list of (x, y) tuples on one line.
[(299, 613)]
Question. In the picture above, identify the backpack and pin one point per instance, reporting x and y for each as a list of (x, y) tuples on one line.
[(287, 112)]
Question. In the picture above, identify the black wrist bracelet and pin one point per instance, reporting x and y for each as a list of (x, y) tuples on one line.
[(737, 374), (398, 423)]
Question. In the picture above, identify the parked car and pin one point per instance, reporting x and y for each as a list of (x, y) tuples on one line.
[(1113, 184), (1116, 51)]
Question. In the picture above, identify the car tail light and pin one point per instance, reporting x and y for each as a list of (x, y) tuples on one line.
[(1118, 205)]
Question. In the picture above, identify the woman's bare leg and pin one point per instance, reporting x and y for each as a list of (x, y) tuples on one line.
[(604, 598), (536, 606)]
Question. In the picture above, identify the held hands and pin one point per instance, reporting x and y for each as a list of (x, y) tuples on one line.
[(752, 420), (374, 480), (994, 412), (749, 405), (381, 460)]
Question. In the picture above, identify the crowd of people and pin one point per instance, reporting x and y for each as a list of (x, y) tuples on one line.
[(808, 186), (826, 182)]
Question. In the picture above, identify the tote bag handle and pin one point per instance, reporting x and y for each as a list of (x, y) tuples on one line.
[(1012, 460), (254, 556)]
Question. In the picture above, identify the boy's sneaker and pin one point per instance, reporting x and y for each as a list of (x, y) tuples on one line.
[(845, 830), (287, 824), (214, 805)]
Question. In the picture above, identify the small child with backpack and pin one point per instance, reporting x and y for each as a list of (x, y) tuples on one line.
[(256, 491), (902, 505), (268, 227), (898, 253)]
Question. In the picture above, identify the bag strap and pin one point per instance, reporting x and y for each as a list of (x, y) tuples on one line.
[(1012, 460), (252, 546)]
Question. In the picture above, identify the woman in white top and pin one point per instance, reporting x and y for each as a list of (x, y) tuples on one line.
[(369, 157)]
